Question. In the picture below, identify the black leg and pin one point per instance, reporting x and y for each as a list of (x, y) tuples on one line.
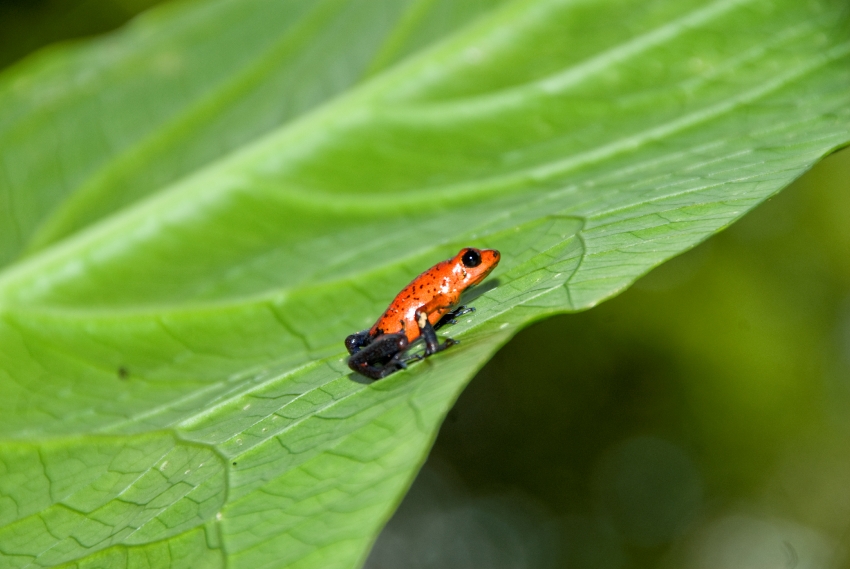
[(356, 342), (429, 335), (449, 317), (401, 359), (377, 358), (380, 358)]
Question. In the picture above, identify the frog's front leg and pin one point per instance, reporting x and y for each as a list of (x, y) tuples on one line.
[(429, 334), (381, 357)]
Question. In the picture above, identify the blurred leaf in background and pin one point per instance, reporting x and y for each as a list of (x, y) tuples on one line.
[(198, 208), (26, 25)]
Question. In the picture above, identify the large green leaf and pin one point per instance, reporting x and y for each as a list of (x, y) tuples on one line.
[(196, 211)]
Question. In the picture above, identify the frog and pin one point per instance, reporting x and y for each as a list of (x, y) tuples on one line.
[(424, 306)]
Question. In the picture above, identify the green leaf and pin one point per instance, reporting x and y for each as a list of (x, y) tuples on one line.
[(197, 210)]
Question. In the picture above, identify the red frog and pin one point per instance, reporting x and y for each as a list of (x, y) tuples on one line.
[(420, 309)]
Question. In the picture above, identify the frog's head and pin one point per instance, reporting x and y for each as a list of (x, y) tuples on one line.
[(476, 264)]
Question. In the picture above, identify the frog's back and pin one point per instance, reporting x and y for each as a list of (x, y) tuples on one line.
[(400, 316)]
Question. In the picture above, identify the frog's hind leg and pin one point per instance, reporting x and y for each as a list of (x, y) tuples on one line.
[(356, 342), (381, 357)]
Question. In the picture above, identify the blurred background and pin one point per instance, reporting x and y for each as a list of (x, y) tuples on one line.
[(26, 25), (698, 420)]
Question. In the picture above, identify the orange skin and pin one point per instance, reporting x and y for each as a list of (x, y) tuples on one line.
[(433, 294)]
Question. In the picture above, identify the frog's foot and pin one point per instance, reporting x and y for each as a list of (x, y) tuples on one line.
[(403, 359), (356, 342), (451, 317)]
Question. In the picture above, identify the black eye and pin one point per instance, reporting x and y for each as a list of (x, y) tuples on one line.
[(471, 258)]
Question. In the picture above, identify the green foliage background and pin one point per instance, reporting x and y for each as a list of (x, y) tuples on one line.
[(107, 460)]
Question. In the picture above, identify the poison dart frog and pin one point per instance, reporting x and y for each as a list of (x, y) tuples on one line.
[(421, 308)]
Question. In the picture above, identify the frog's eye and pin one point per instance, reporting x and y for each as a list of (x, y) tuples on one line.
[(471, 258)]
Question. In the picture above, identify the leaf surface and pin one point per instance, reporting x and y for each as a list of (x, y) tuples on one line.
[(197, 210)]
